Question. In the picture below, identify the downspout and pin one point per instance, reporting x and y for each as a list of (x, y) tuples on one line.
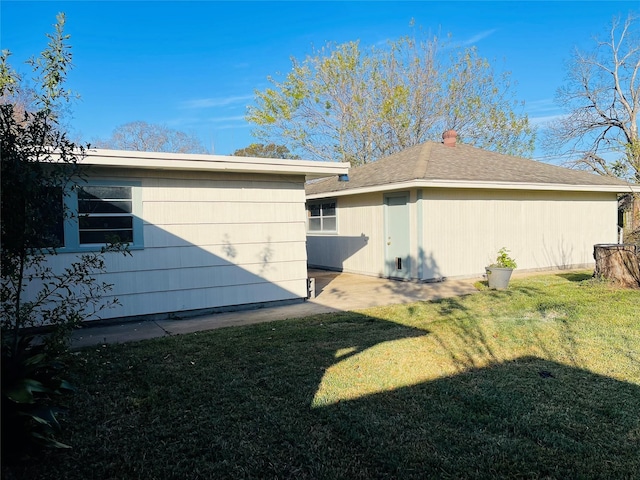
[(420, 227)]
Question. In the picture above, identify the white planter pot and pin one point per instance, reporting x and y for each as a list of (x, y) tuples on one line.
[(498, 277)]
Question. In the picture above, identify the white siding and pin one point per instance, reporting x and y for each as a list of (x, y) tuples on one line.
[(358, 246), (210, 240), (464, 229), (457, 232)]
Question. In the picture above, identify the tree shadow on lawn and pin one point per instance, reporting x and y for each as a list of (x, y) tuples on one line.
[(472, 344), (239, 403), (576, 276), (527, 418), (231, 403)]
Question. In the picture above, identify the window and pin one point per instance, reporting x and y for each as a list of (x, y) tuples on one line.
[(51, 217), (103, 212), (321, 216)]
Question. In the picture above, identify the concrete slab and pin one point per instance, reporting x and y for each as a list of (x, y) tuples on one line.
[(345, 291), (334, 292)]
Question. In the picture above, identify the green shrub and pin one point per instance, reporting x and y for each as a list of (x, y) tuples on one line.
[(31, 387)]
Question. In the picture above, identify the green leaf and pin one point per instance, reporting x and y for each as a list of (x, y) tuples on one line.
[(44, 415), (23, 391), (65, 385), (35, 359), (49, 441)]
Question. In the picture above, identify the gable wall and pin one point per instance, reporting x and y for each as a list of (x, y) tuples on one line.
[(210, 240)]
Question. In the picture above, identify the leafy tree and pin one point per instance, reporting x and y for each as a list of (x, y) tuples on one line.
[(347, 103), (149, 137), (39, 166), (601, 99), (260, 150)]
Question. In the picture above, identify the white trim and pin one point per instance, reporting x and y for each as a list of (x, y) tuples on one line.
[(478, 185), (211, 163)]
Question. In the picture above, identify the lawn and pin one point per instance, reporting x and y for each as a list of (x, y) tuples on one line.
[(540, 381)]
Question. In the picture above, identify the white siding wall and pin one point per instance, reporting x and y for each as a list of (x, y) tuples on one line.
[(461, 231), (358, 245), (464, 229), (211, 240)]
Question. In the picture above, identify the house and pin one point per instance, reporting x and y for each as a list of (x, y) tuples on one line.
[(206, 232), (443, 210)]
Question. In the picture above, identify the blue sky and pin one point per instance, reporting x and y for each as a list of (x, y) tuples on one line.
[(194, 66)]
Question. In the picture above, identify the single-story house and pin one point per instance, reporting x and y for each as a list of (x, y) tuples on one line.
[(443, 210), (206, 232)]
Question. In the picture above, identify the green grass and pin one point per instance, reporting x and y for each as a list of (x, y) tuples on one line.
[(539, 381)]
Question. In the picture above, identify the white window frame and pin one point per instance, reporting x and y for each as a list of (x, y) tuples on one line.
[(322, 217)]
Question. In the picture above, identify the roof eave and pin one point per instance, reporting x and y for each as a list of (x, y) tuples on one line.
[(421, 183), (210, 163)]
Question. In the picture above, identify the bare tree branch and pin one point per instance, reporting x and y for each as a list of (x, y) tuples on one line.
[(149, 137), (602, 99)]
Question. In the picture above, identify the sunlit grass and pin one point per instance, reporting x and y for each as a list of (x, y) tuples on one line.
[(591, 326), (578, 324), (539, 381)]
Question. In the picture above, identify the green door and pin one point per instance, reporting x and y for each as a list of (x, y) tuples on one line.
[(397, 258)]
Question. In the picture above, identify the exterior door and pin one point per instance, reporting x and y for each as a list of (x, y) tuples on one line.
[(397, 235)]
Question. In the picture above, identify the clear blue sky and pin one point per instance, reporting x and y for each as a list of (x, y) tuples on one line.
[(194, 66)]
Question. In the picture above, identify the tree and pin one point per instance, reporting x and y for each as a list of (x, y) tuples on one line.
[(345, 103), (18, 96), (39, 166), (261, 150), (601, 99), (619, 264), (149, 137)]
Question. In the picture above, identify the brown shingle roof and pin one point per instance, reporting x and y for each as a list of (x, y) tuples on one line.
[(434, 161)]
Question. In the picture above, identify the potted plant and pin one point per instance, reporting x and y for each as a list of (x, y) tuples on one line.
[(499, 273)]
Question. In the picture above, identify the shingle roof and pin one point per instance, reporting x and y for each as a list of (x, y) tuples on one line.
[(461, 163)]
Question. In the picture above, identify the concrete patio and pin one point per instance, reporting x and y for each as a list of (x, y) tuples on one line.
[(334, 292)]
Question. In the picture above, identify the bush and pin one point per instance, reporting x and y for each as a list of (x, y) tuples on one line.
[(39, 164), (31, 386), (503, 260)]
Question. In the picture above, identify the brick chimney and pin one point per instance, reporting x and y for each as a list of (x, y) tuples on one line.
[(449, 138)]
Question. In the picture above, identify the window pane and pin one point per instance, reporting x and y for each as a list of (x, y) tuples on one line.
[(314, 209), (104, 206), (53, 220), (105, 223), (101, 236), (328, 208), (329, 224), (314, 224), (100, 192)]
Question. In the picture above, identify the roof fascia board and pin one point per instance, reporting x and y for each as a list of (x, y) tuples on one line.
[(210, 163), (480, 185)]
